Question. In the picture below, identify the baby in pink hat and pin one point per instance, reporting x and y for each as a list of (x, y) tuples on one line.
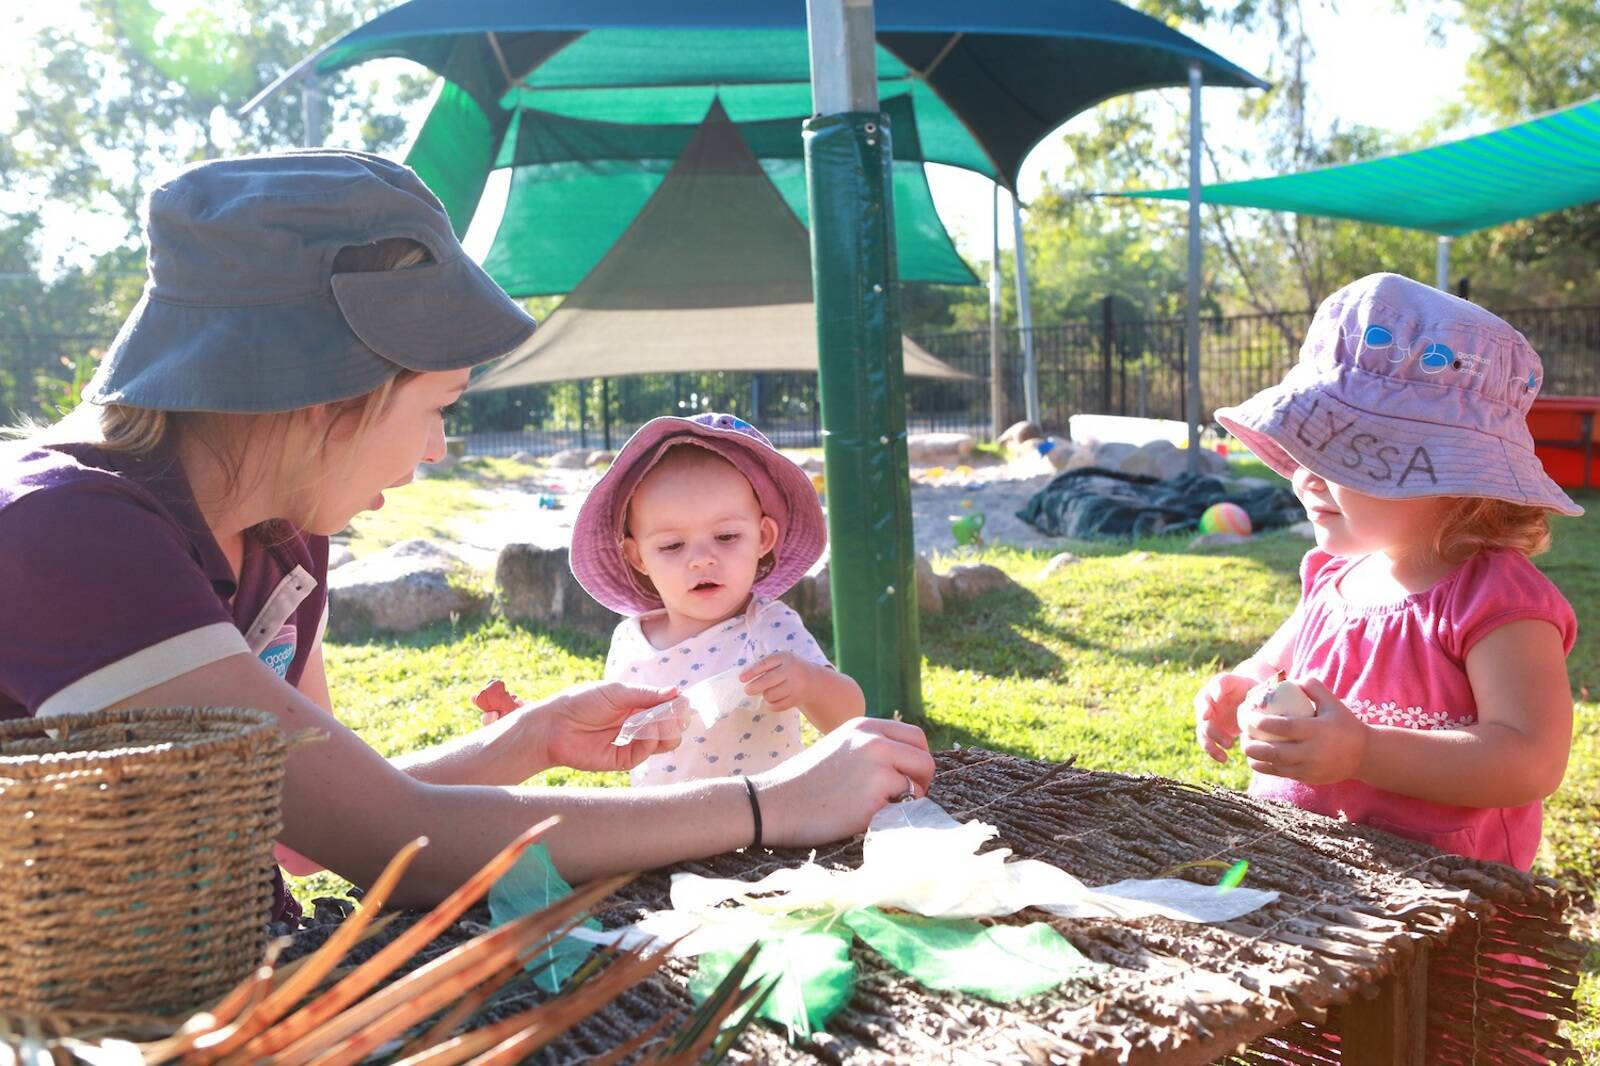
[(1433, 651), (692, 534)]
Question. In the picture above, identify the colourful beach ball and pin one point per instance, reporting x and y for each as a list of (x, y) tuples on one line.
[(1225, 518)]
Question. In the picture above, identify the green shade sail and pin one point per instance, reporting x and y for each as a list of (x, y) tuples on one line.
[(1540, 165), (577, 184)]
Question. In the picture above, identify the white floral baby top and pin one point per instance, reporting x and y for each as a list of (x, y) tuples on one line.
[(749, 737)]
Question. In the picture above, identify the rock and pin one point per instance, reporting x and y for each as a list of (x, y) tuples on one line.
[(1057, 564), (523, 457), (338, 555), (1218, 540), (968, 580), (1212, 463), (931, 448), (535, 584), (401, 589), (1304, 529), (811, 464), (1158, 459), (1109, 455), (930, 595), (571, 459), (1021, 433), (1061, 456), (811, 597), (600, 458)]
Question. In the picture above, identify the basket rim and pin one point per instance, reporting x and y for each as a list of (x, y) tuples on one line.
[(238, 724)]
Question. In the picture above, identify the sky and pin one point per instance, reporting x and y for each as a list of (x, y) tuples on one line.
[(1374, 66)]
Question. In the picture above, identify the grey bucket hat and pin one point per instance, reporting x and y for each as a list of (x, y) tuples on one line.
[(242, 311)]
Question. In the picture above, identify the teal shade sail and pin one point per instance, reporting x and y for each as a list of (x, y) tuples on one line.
[(1543, 164)]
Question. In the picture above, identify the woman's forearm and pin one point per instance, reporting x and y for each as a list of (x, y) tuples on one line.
[(508, 751)]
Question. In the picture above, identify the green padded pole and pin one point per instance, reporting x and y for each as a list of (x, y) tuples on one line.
[(849, 182)]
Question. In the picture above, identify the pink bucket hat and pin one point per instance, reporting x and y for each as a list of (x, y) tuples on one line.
[(784, 491), (1404, 391)]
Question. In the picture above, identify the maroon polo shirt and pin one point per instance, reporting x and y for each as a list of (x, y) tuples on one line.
[(111, 582)]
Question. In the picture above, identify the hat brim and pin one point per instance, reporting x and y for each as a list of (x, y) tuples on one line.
[(327, 347), (1313, 425), (596, 557), (436, 316)]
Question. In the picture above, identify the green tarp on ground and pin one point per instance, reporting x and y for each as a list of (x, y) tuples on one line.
[(1544, 164)]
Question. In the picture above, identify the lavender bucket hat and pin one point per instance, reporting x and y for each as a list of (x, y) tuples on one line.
[(784, 491), (1404, 391)]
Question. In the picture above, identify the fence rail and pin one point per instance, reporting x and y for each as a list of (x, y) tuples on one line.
[(1097, 365)]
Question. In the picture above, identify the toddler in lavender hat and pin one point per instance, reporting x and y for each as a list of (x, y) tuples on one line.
[(1433, 651), (692, 534)]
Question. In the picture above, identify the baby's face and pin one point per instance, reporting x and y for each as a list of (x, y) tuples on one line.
[(1347, 522), (697, 532)]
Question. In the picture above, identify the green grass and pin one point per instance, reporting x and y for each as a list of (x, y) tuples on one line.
[(431, 506), (1099, 662)]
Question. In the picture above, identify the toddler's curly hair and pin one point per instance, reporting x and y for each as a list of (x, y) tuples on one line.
[(1473, 524)]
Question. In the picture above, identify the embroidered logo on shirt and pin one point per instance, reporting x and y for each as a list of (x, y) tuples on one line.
[(279, 653)]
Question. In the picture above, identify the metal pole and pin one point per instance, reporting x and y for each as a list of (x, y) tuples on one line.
[(1191, 312), (861, 366), (1441, 265), (1030, 369), (997, 381), (311, 107)]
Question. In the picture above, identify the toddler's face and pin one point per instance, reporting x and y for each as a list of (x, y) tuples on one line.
[(1348, 522), (697, 532)]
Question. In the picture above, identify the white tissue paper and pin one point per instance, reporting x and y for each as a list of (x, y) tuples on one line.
[(705, 702), (917, 858)]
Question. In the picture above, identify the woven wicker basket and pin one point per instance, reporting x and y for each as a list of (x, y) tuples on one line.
[(135, 856)]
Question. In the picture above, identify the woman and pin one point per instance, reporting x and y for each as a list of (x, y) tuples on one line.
[(308, 319)]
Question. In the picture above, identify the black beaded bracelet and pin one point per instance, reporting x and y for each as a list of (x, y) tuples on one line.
[(755, 811)]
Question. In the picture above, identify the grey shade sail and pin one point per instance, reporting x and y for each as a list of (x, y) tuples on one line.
[(713, 275)]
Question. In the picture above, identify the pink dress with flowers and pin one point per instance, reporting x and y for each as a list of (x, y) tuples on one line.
[(1404, 664)]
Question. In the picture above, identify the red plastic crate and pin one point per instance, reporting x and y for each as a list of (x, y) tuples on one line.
[(1566, 438)]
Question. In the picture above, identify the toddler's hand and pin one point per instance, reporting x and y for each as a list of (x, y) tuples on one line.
[(495, 700), (780, 679), (1318, 751), (1216, 712)]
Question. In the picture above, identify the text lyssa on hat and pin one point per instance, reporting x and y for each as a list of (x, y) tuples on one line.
[(242, 310), (1403, 391)]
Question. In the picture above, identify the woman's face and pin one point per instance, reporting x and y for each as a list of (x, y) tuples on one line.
[(359, 466)]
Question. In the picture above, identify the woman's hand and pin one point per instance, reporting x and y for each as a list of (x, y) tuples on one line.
[(1216, 712), (832, 789), (577, 727), (1318, 751)]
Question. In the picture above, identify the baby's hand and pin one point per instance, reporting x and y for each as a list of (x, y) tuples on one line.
[(1216, 712), (495, 700), (780, 679)]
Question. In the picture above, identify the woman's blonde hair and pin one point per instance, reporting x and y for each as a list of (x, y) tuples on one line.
[(227, 436), (1472, 524)]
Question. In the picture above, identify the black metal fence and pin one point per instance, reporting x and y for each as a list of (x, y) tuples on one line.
[(1098, 365)]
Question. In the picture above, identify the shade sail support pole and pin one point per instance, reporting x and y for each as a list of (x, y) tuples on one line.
[(1191, 310), (997, 381), (311, 108), (1441, 265), (1030, 367), (861, 371)]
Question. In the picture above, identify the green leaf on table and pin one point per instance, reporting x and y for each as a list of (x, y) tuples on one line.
[(998, 962), (810, 969)]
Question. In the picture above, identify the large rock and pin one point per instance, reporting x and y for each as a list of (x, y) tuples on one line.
[(401, 589), (969, 580), (1109, 456), (339, 555), (930, 588), (600, 458), (1021, 433), (1158, 459), (535, 584), (930, 448), (571, 459), (811, 597)]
